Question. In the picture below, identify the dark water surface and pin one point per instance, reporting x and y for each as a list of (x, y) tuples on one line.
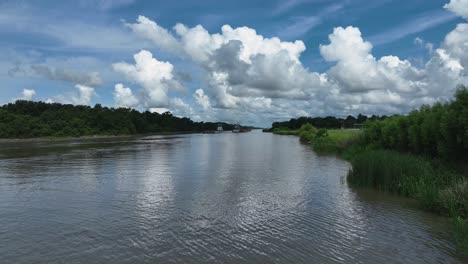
[(216, 198)]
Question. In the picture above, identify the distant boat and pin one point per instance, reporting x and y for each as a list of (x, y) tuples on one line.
[(236, 129), (220, 129)]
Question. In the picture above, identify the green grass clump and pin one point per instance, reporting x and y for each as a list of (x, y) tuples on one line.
[(334, 140), (344, 134), (285, 131), (323, 140), (454, 199), (307, 133), (461, 231), (389, 171)]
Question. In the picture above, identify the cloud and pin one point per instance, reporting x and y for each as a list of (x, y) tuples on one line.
[(160, 36), (155, 77), (27, 94), (202, 99), (250, 74), (105, 4), (367, 83), (58, 74), (180, 108), (176, 106), (285, 6), (456, 44), (419, 24), (123, 97), (238, 62), (40, 30), (159, 110), (300, 27), (83, 96), (422, 43), (418, 41), (459, 7), (357, 70), (303, 25)]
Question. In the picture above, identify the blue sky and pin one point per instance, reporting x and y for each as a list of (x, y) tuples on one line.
[(53, 46)]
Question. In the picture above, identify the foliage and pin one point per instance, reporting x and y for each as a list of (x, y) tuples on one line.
[(329, 122), (326, 141), (461, 230), (26, 119), (407, 175), (284, 131), (454, 199), (437, 131), (307, 132)]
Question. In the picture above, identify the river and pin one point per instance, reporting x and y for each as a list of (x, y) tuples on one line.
[(202, 198)]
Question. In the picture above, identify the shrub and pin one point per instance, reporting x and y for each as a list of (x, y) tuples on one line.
[(437, 131), (454, 199), (307, 133), (461, 230)]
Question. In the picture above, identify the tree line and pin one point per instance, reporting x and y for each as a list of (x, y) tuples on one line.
[(329, 122), (440, 130), (27, 119)]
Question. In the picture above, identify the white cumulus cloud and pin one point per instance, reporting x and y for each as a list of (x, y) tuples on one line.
[(459, 7), (202, 99), (248, 74), (155, 77), (123, 96), (27, 94), (157, 34), (83, 96)]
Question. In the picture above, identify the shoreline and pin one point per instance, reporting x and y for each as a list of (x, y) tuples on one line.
[(46, 139)]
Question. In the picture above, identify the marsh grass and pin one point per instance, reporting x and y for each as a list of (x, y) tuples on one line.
[(389, 171), (461, 231), (285, 131), (454, 199), (335, 140), (434, 186)]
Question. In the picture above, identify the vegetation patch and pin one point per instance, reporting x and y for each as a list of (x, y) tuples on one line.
[(285, 131), (461, 231), (434, 185)]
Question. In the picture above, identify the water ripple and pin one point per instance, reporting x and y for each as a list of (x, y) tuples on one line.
[(227, 198)]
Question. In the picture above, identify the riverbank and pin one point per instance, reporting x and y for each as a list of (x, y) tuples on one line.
[(324, 140), (436, 186), (42, 139), (67, 138)]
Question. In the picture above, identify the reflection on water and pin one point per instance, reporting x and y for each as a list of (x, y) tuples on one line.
[(217, 198)]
